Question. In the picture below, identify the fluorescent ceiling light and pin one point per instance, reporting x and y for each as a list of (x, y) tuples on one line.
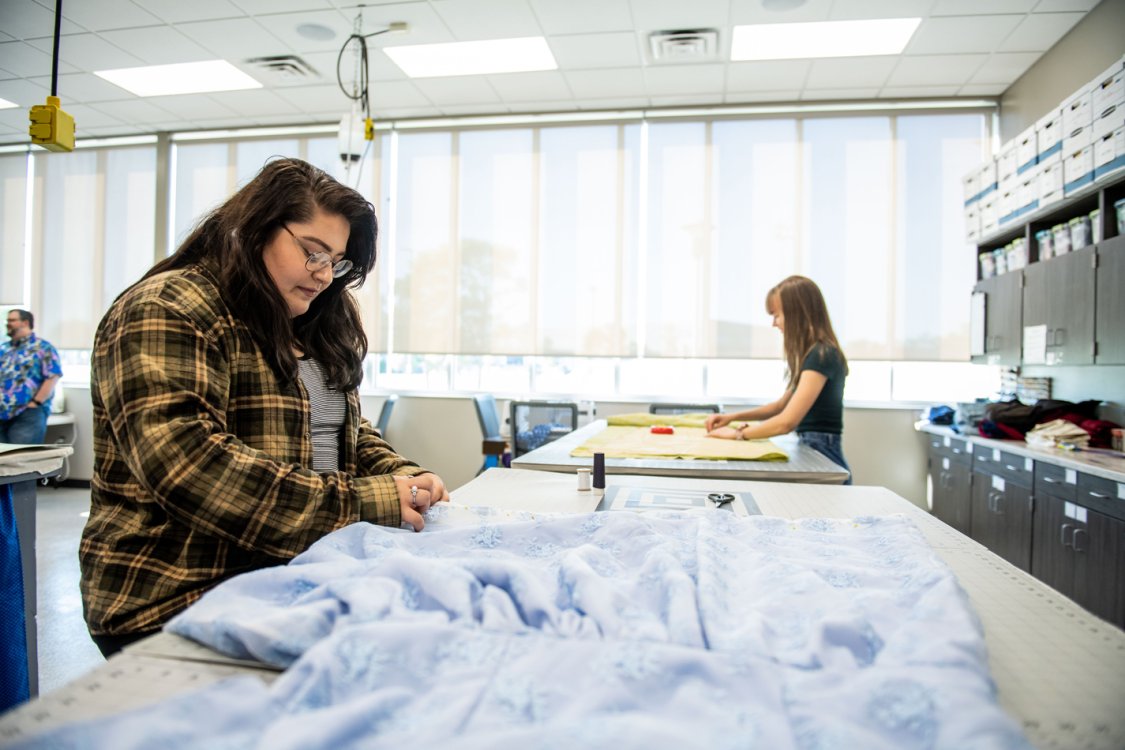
[(5, 104), (788, 41), (180, 78), (474, 58)]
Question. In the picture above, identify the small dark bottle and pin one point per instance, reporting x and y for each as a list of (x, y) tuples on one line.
[(599, 471)]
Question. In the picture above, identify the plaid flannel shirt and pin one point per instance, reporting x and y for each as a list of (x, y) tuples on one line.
[(201, 456)]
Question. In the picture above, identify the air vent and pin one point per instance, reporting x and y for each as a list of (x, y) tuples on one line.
[(686, 45), (288, 67)]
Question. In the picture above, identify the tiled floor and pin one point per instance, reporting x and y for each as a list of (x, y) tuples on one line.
[(65, 648)]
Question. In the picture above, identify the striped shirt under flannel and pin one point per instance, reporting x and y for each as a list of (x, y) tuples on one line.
[(201, 458)]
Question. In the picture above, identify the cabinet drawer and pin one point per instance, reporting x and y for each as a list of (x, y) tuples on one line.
[(1014, 468), (1104, 495), (1057, 481), (954, 448)]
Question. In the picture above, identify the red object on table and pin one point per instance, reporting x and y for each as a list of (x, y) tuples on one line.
[(661, 430)]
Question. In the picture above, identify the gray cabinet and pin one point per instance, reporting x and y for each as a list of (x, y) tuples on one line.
[(1058, 294), (950, 472), (1109, 318), (1002, 505), (1002, 319)]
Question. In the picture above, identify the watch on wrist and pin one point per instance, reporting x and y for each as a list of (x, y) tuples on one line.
[(740, 435), (37, 402)]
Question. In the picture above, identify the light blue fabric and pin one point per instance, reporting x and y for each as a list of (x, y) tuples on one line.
[(612, 630)]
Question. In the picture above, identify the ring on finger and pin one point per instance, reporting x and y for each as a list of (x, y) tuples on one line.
[(414, 496)]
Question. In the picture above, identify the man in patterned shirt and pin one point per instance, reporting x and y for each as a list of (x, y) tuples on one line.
[(29, 367)]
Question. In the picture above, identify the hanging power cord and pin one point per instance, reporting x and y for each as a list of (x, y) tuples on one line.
[(359, 95), (51, 127)]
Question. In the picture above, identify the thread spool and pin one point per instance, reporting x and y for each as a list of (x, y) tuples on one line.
[(583, 480), (599, 471)]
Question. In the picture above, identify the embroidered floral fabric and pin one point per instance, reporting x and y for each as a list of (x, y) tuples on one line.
[(612, 630)]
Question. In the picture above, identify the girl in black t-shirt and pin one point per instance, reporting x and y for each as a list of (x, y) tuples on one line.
[(813, 402)]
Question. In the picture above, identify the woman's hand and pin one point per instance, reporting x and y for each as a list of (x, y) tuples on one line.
[(417, 494), (717, 420), (726, 433)]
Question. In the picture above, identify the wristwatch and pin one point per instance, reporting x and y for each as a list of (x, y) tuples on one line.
[(37, 402), (739, 432)]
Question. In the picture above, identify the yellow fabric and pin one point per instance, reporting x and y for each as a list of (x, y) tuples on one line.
[(642, 419), (687, 442)]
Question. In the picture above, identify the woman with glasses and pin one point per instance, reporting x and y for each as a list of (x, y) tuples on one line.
[(227, 425), (813, 402)]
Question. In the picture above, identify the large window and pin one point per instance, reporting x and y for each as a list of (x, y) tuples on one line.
[(625, 259)]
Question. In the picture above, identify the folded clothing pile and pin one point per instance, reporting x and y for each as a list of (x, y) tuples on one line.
[(1051, 434)]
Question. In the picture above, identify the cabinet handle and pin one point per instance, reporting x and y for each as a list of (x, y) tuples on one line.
[(1050, 480), (1076, 533), (998, 510), (1062, 534), (1098, 495), (1009, 467)]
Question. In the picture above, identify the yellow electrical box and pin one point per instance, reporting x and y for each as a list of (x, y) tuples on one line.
[(51, 127), (368, 129)]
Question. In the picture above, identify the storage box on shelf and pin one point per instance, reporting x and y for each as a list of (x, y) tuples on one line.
[(1054, 267), (1048, 136)]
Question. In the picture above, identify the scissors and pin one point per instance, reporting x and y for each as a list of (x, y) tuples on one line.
[(720, 498)]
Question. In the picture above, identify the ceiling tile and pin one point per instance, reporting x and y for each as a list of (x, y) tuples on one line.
[(583, 16), (325, 97), (86, 116), (615, 50), (870, 9), (615, 104), (24, 60), (767, 75), (26, 93), (399, 94), (254, 102), (424, 26), (1038, 32), (15, 119), (412, 113), (136, 111), (88, 52), (265, 7), (1004, 67), (459, 110), (935, 70), (850, 72), (1061, 6), (527, 87), (284, 27), (234, 39), (756, 97), (488, 19), (981, 7), (687, 100), (457, 90), (158, 45), (657, 15), (983, 89), (25, 19), (178, 11), (840, 94), (960, 34), (192, 107), (85, 88), (669, 80), (752, 12), (108, 14), (599, 84), (917, 92), (379, 67)]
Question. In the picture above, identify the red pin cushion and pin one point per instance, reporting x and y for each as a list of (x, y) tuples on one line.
[(662, 430)]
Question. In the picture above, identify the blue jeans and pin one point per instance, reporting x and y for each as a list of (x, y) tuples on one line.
[(828, 444), (27, 428)]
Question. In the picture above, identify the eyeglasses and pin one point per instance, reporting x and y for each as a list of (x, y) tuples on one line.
[(318, 261)]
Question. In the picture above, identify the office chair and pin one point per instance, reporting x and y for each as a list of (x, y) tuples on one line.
[(385, 415), (493, 445), (684, 408), (536, 423)]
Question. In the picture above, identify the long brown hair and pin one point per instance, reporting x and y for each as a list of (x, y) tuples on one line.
[(232, 238), (806, 322)]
